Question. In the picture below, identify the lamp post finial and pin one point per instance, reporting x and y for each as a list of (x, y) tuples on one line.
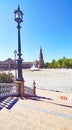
[(18, 6)]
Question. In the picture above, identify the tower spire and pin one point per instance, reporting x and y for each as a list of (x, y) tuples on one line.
[(41, 61)]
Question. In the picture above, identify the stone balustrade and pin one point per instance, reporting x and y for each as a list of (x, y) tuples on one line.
[(16, 89), (8, 89)]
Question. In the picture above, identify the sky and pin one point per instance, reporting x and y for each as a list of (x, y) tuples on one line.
[(46, 24)]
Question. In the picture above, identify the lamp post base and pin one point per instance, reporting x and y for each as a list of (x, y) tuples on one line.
[(20, 79), (20, 87)]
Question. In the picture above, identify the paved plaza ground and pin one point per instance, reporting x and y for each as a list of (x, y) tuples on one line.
[(48, 110)]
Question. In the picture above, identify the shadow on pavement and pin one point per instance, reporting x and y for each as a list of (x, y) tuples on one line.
[(8, 102)]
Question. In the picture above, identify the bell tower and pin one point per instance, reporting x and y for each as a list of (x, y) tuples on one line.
[(41, 61)]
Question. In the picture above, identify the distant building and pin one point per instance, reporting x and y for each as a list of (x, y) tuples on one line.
[(10, 64), (40, 63), (7, 64), (26, 65)]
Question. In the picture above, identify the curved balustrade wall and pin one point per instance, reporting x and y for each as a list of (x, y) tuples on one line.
[(8, 89)]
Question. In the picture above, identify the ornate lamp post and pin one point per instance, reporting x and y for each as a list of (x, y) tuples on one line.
[(15, 52), (19, 19)]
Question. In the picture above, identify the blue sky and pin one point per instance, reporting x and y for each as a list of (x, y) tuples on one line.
[(47, 24)]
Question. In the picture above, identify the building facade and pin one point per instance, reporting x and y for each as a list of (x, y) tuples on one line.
[(10, 64)]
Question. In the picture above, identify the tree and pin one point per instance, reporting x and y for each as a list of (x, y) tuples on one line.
[(53, 63), (61, 63)]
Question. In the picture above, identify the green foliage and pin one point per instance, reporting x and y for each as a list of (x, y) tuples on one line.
[(6, 78), (61, 63), (47, 65)]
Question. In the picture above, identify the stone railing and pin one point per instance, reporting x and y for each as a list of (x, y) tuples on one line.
[(16, 89), (29, 91), (8, 89)]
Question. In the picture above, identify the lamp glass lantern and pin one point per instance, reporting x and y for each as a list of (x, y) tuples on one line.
[(18, 15)]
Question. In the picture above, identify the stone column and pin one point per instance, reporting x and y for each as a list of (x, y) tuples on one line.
[(20, 88)]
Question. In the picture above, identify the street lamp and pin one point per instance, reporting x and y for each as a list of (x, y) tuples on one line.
[(19, 19), (15, 52)]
